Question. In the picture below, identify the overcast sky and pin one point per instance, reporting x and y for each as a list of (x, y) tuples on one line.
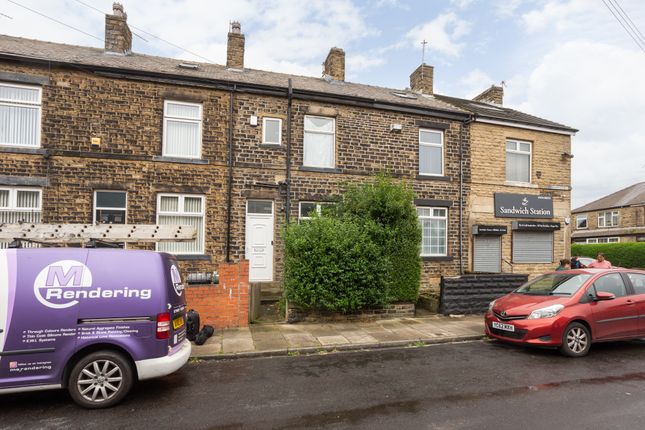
[(569, 61)]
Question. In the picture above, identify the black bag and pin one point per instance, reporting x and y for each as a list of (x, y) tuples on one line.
[(204, 334), (192, 324)]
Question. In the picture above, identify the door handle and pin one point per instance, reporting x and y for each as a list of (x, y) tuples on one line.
[(630, 302)]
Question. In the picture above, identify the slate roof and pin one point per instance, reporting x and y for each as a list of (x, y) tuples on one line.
[(630, 196), (88, 56), (501, 113), (59, 52)]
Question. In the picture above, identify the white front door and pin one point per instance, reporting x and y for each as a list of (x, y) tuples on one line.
[(259, 240)]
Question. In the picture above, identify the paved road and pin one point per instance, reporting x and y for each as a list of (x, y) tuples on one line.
[(477, 385)]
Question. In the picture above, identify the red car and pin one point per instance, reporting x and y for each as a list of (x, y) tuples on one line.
[(571, 309)]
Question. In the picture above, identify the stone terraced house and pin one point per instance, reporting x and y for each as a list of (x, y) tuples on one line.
[(111, 136)]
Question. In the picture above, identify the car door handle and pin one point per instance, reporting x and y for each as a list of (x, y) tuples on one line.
[(630, 302)]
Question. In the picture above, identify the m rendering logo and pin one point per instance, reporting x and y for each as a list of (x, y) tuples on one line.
[(175, 277), (56, 286)]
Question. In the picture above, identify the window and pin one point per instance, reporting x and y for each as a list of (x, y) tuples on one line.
[(181, 209), (319, 142), (638, 282), (430, 152), (182, 129), (19, 205), (518, 161), (110, 207), (608, 219), (603, 240), (307, 209), (20, 115), (581, 222), (612, 283), (532, 247), (434, 226), (271, 131)]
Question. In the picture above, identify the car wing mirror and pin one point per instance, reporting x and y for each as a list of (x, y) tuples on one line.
[(604, 296)]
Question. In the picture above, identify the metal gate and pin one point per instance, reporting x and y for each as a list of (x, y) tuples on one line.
[(532, 247), (487, 254)]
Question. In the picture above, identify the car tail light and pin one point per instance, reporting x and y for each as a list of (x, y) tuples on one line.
[(163, 326)]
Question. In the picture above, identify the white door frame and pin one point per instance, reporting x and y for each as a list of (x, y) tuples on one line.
[(268, 277)]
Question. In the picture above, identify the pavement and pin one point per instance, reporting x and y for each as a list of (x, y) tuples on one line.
[(258, 340)]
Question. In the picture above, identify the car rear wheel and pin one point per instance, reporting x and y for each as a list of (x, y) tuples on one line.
[(576, 340), (100, 380)]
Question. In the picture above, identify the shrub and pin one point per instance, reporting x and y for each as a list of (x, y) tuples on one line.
[(390, 206), (628, 254), (334, 264)]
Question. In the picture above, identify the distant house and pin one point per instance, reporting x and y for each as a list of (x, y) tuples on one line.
[(618, 217)]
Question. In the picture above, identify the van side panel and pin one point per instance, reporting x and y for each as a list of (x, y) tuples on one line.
[(41, 312), (128, 293)]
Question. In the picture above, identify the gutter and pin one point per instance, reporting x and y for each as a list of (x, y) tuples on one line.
[(461, 190)]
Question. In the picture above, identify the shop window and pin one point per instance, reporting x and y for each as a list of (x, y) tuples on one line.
[(532, 247)]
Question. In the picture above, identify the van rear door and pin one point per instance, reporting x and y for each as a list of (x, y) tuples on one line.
[(176, 300)]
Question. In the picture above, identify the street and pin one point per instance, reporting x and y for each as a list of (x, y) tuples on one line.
[(478, 385)]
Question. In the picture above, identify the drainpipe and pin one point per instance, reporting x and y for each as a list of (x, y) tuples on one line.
[(461, 191), (229, 191), (288, 199)]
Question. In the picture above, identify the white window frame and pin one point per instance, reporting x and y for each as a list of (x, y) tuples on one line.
[(318, 209), (125, 209), (432, 208), (517, 151), (614, 239), (264, 136), (13, 199), (181, 212), (603, 216), (580, 218), (39, 106), (332, 133), (434, 145), (199, 121)]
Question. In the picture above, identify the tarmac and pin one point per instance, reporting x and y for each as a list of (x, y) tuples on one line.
[(276, 339)]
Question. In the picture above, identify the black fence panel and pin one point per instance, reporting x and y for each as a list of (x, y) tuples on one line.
[(471, 294)]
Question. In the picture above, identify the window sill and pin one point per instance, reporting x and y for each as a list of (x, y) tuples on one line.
[(22, 150), (520, 184), (165, 159), (434, 178), (320, 169), (437, 258), (192, 257)]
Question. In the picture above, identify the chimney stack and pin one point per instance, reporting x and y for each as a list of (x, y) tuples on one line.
[(235, 47), (421, 79), (494, 95), (334, 65), (118, 37)]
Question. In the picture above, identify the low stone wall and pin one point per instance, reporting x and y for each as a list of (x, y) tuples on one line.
[(471, 294), (395, 310)]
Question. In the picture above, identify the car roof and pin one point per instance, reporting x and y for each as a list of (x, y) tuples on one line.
[(594, 271)]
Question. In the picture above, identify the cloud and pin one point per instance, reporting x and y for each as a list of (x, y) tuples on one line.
[(444, 34), (596, 87), (507, 8), (474, 83), (462, 4), (570, 16)]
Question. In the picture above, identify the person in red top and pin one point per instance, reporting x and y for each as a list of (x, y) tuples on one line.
[(600, 262)]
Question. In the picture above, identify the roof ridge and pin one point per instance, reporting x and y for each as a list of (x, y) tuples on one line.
[(581, 208)]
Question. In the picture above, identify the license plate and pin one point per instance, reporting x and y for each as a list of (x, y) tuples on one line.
[(502, 326), (177, 322)]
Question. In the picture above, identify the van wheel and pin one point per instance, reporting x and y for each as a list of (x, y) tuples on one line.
[(576, 340), (100, 380)]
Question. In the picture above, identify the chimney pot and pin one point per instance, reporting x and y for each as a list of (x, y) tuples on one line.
[(235, 47), (421, 80), (334, 65), (493, 95), (118, 37)]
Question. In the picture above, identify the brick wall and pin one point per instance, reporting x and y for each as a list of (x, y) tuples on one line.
[(225, 304)]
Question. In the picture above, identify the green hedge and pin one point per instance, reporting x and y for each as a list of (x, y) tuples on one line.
[(628, 254), (334, 264), (390, 205)]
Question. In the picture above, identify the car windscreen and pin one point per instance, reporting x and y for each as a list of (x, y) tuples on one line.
[(553, 284)]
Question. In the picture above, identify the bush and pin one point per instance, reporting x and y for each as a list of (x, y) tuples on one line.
[(390, 206), (628, 254), (334, 264)]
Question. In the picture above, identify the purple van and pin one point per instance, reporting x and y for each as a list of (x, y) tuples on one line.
[(90, 320)]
